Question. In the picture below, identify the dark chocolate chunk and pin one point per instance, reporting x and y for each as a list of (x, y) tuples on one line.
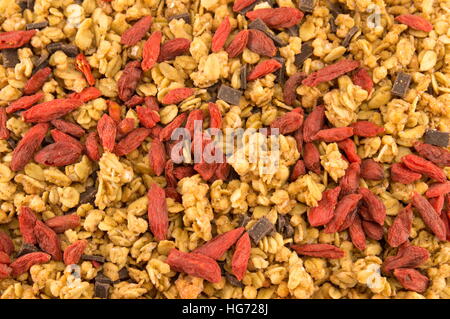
[(293, 31), (88, 196), (212, 91), (437, 138), (281, 72), (243, 220), (37, 25), (12, 143), (97, 258), (351, 33), (288, 231), (401, 84), (243, 77), (22, 4), (306, 5), (101, 289), (26, 249), (306, 52), (40, 62), (69, 49), (261, 229), (123, 274), (229, 95), (30, 5), (281, 223), (103, 279), (54, 46), (336, 8), (333, 26), (10, 58), (259, 24), (185, 16), (233, 280)]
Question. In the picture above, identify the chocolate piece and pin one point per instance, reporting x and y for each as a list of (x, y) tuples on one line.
[(88, 196), (243, 220), (351, 33), (229, 95), (401, 84), (22, 4), (306, 5), (212, 91), (281, 72), (10, 58), (185, 16), (288, 231), (123, 274), (281, 223), (103, 279), (243, 77), (336, 8), (101, 289), (233, 280), (12, 143), (26, 249), (306, 52), (97, 258), (40, 62), (261, 229), (37, 25), (259, 24), (69, 49), (30, 5), (293, 31), (253, 5), (333, 26), (437, 138)]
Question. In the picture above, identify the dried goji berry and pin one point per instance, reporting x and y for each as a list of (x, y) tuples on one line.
[(129, 80), (373, 230), (349, 219), (196, 265), (260, 43), (298, 135), (400, 229), (48, 240), (357, 234), (323, 212), (15, 39), (313, 123), (62, 223), (92, 146), (86, 95), (298, 170), (4, 132), (175, 96), (436, 154), (35, 83), (114, 111), (366, 129), (27, 221), (411, 279), (157, 212), (171, 192), (330, 72), (150, 52), (152, 103), (157, 157), (241, 255), (349, 148), (215, 117), (401, 174), (194, 115), (238, 44), (169, 173), (408, 256), (376, 207), (107, 130), (422, 166), (181, 172), (311, 157), (288, 123), (264, 68), (24, 102), (23, 263), (371, 170), (147, 117), (415, 22), (173, 48), (216, 247), (206, 170), (72, 254), (335, 134), (438, 203), (291, 85), (29, 143), (6, 244), (132, 35), (221, 35), (47, 111), (135, 100), (319, 250), (68, 127), (283, 17), (344, 207), (58, 154), (429, 216), (238, 5), (438, 189), (5, 271), (167, 131), (132, 141), (84, 67), (362, 78), (126, 126), (349, 183), (4, 258), (222, 171)]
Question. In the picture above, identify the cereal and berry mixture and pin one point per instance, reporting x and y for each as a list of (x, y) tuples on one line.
[(268, 149)]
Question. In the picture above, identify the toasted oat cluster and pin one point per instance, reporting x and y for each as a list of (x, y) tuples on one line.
[(268, 149)]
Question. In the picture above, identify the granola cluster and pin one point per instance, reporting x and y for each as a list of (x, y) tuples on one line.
[(339, 187)]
